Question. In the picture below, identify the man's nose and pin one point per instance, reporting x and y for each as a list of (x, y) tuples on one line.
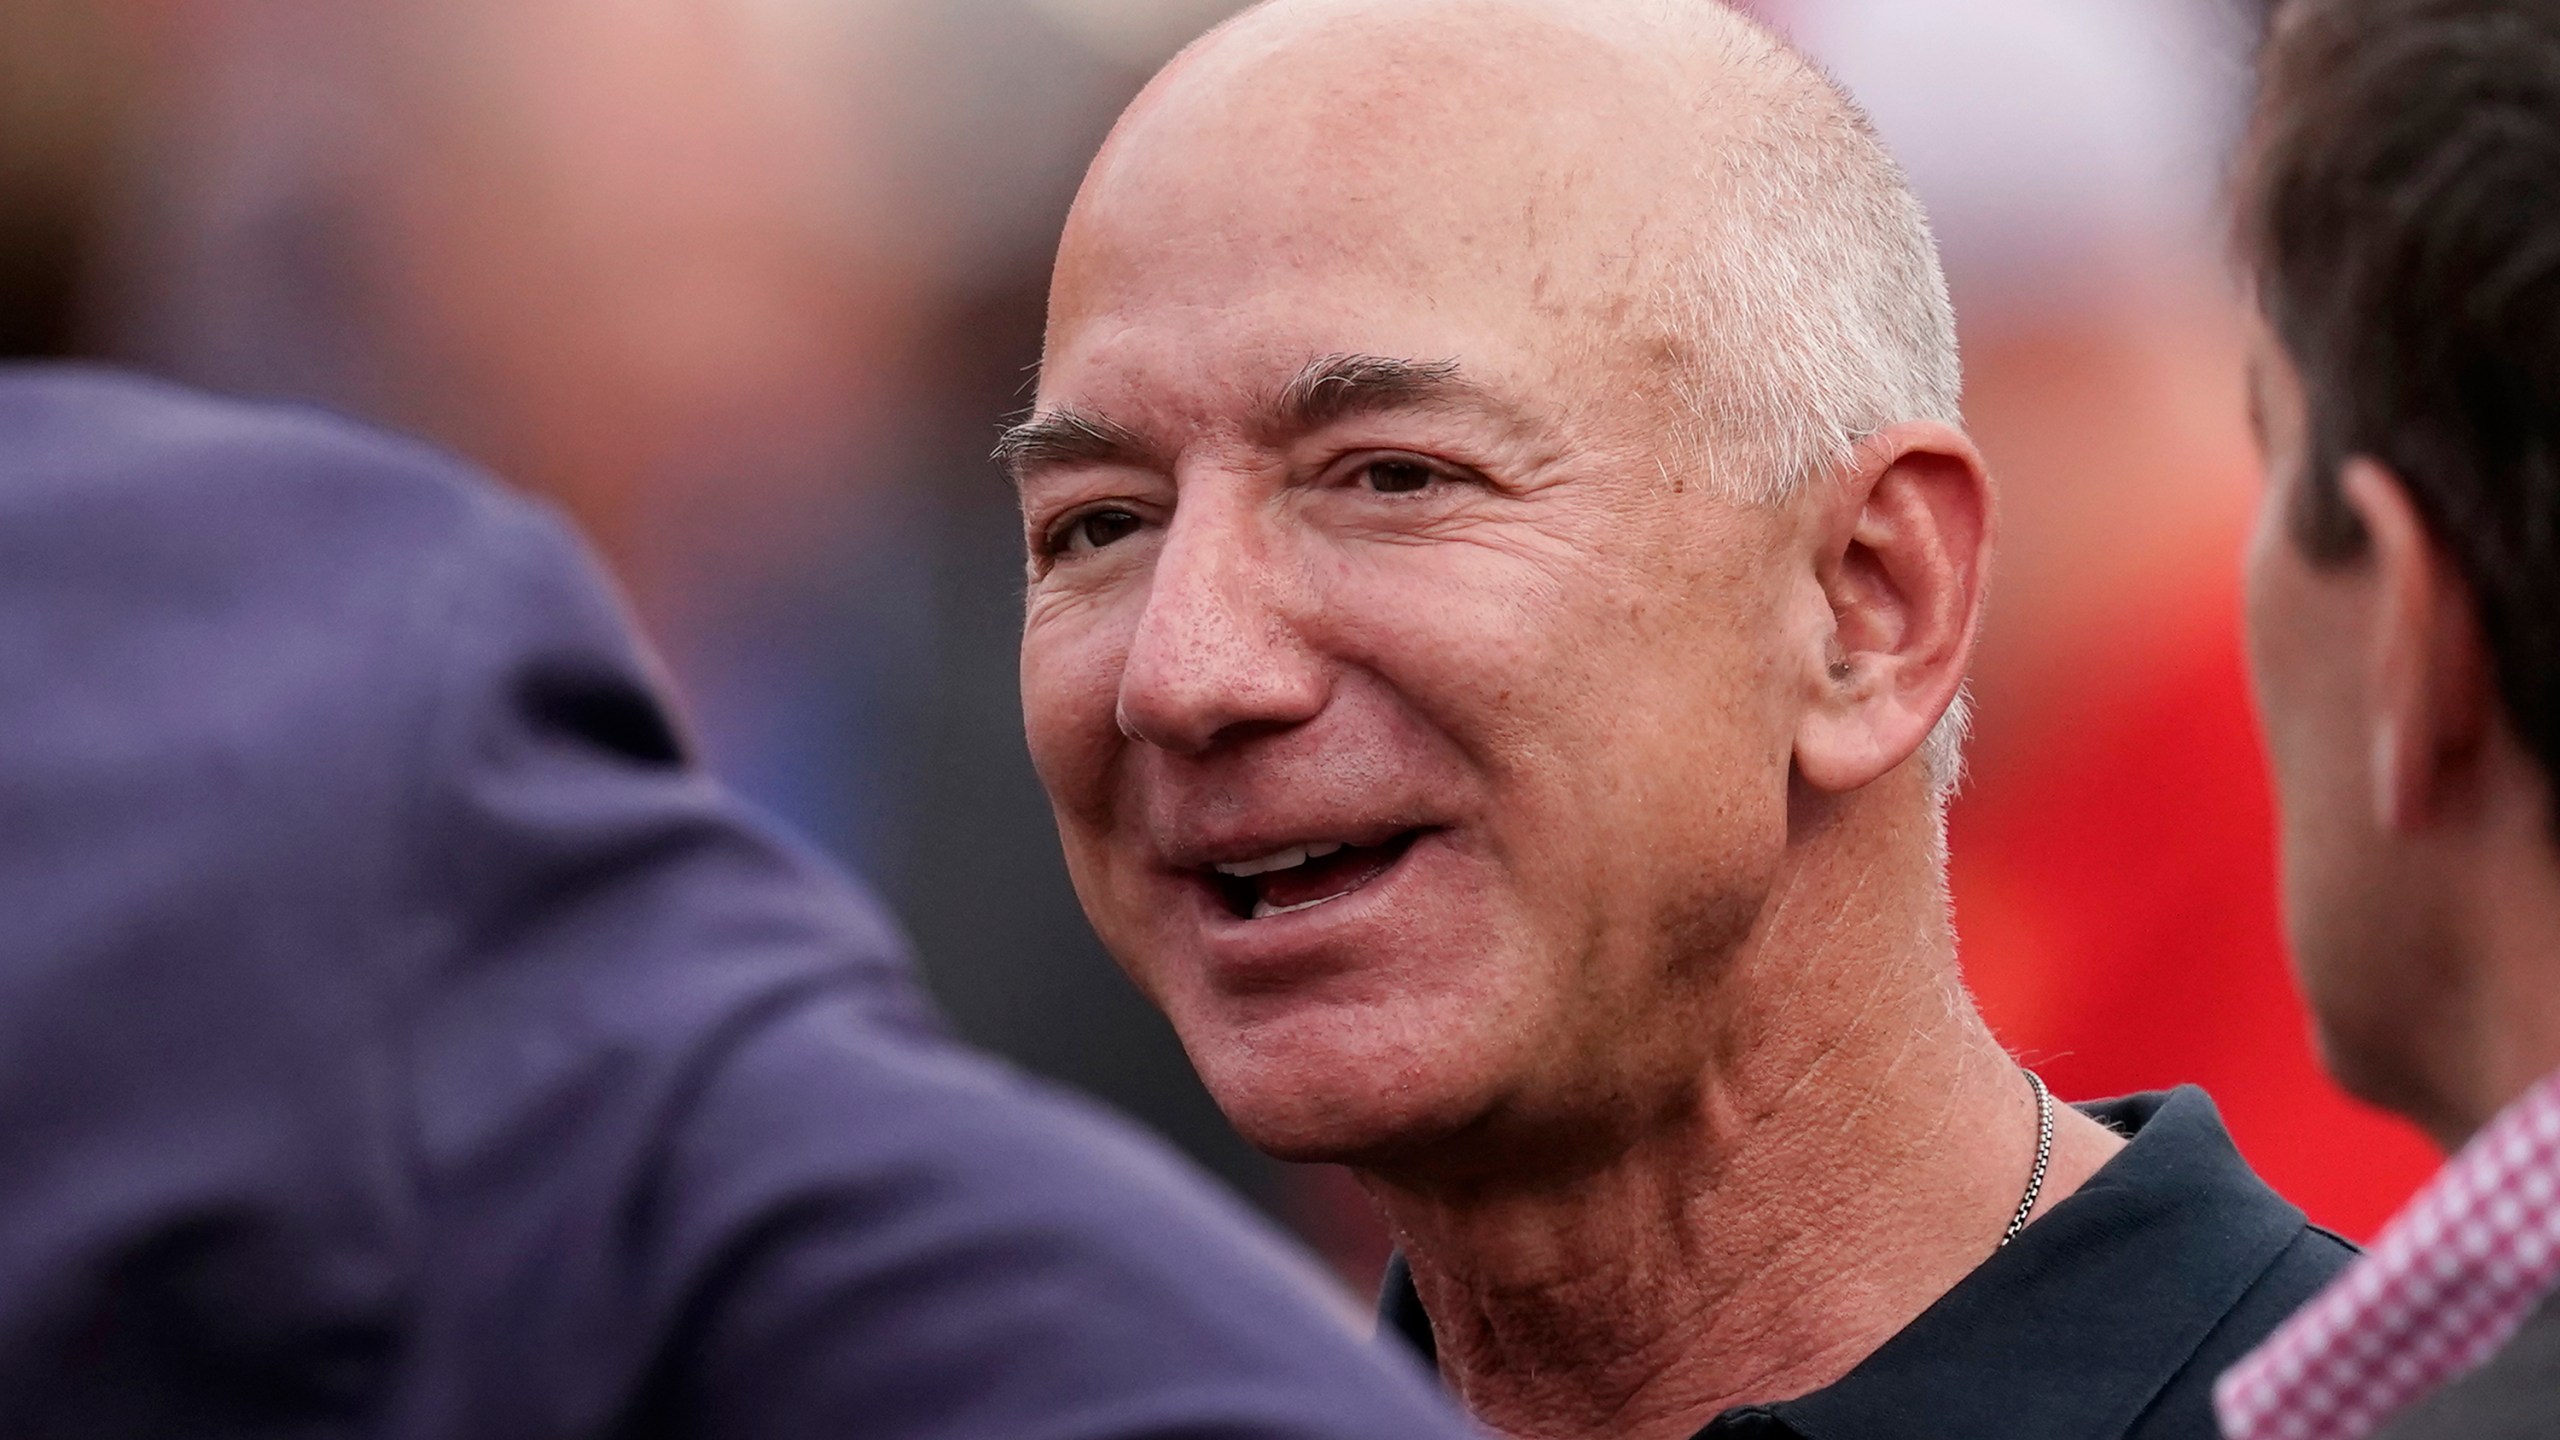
[(1217, 656)]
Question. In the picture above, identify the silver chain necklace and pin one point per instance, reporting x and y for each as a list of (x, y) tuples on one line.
[(2044, 1157)]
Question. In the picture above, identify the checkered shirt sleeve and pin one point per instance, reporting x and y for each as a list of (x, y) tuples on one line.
[(2451, 1279)]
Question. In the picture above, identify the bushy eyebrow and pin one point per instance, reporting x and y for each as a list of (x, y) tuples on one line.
[(1328, 389), (1056, 439), (1336, 387)]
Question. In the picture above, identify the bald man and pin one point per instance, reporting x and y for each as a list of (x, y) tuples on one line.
[(1503, 561)]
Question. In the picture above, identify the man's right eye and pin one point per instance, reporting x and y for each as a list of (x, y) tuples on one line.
[(1092, 530)]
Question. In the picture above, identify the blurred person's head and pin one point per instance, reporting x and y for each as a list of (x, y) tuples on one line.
[(67, 85), (1500, 554), (2400, 214)]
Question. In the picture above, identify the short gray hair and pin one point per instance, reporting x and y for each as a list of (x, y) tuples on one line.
[(1820, 260)]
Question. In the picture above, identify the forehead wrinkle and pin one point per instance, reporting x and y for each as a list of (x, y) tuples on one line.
[(1618, 187), (1410, 178)]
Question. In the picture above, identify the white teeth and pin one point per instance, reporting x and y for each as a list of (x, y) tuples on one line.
[(1281, 859), (1276, 862), (1264, 909)]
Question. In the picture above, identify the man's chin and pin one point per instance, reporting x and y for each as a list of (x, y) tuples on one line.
[(2383, 1065), (1348, 1069), (1310, 1111), (1364, 1139), (2388, 1026)]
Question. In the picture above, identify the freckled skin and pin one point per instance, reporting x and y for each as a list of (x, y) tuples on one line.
[(1559, 663)]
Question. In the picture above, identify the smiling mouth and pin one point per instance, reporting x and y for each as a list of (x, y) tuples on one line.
[(1303, 877)]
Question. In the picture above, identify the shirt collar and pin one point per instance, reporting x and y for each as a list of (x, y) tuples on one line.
[(2071, 1330), (2450, 1281)]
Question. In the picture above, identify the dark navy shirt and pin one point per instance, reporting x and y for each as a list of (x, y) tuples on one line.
[(2106, 1319), (400, 1036)]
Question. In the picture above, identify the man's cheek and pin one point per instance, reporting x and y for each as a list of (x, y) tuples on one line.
[(1070, 696)]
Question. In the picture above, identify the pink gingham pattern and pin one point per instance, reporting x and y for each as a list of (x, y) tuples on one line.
[(2452, 1278)]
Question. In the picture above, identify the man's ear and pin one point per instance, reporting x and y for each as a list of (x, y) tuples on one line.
[(2430, 683), (1902, 556)]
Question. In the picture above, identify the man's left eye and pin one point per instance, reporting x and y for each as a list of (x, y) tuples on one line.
[(1396, 477)]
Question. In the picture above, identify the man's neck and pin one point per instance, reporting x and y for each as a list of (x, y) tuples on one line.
[(1834, 1176)]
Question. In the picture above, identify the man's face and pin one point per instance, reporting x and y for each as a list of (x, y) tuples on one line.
[(1411, 709), (2355, 909)]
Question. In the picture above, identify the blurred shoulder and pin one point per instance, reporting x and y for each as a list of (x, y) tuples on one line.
[(111, 454), (882, 1221), (82, 422)]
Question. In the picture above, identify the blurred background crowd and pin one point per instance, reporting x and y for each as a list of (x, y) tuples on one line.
[(746, 285)]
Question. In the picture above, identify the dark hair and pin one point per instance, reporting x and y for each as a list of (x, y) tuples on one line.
[(2399, 210)]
